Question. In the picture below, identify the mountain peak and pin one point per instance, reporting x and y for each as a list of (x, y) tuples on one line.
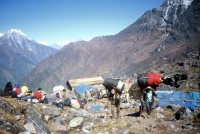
[(185, 3), (16, 31), (17, 35)]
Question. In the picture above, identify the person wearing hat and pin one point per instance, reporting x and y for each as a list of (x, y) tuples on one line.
[(147, 98), (148, 81), (16, 90)]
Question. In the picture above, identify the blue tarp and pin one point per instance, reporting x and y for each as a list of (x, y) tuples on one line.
[(82, 88), (96, 107), (185, 99)]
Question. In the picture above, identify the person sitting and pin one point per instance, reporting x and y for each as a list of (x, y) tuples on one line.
[(44, 97), (24, 91), (8, 89), (58, 98), (38, 95), (16, 90)]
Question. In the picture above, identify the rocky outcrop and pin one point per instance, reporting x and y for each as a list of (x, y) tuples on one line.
[(38, 118)]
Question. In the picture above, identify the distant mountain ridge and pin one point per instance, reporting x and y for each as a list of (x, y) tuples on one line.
[(145, 44), (19, 55)]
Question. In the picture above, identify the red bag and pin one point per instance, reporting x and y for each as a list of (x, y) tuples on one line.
[(154, 79)]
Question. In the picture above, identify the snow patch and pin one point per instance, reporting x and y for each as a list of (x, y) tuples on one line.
[(16, 31), (1, 34), (187, 2)]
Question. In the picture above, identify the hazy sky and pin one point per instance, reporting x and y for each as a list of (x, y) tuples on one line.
[(71, 20)]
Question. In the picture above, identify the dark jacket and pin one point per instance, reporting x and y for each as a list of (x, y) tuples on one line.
[(8, 88)]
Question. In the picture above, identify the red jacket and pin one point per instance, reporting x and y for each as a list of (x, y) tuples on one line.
[(17, 90), (38, 95)]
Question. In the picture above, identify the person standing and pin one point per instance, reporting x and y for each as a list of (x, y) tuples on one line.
[(114, 88), (147, 100), (114, 98), (148, 82)]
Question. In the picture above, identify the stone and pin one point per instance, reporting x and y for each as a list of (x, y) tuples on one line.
[(52, 111), (30, 128), (17, 117), (76, 122)]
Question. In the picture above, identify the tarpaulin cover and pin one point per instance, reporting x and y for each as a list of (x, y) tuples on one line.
[(185, 99), (96, 107), (82, 88)]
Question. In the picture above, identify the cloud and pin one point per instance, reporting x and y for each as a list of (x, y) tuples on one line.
[(1, 34), (62, 43), (57, 45), (46, 43)]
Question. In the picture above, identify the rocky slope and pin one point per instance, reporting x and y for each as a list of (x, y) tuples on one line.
[(163, 33), (18, 116)]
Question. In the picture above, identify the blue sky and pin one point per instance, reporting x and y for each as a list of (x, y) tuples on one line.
[(71, 20)]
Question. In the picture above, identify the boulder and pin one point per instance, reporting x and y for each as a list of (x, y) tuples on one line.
[(76, 122), (52, 111), (35, 119)]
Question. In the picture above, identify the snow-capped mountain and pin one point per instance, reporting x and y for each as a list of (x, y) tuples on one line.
[(19, 54), (172, 9), (158, 19), (16, 35)]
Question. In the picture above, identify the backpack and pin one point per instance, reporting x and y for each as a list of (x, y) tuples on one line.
[(148, 79), (75, 104), (57, 95), (154, 79), (110, 83), (142, 80), (67, 102)]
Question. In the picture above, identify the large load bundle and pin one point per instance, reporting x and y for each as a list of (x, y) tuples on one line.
[(149, 79), (58, 88), (110, 83)]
